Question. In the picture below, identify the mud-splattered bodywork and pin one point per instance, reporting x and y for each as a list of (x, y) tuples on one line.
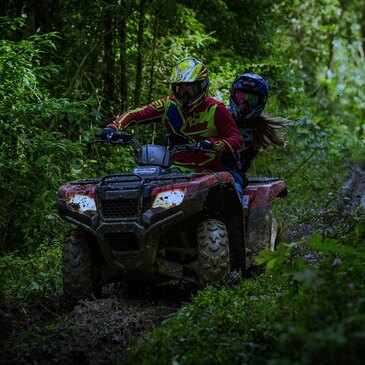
[(262, 227), (261, 192), (142, 221)]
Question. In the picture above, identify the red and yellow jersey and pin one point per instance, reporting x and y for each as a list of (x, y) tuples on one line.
[(209, 120)]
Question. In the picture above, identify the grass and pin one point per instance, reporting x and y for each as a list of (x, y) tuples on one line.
[(295, 314)]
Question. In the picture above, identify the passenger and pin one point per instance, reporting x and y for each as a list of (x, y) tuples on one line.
[(248, 97)]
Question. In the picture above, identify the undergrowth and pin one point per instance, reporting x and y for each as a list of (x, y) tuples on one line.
[(295, 314), (38, 274)]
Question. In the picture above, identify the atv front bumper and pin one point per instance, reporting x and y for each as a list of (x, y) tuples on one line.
[(133, 244)]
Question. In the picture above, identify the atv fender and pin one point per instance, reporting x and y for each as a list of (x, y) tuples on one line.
[(261, 193)]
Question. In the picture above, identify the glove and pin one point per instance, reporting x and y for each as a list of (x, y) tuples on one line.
[(205, 144), (108, 133)]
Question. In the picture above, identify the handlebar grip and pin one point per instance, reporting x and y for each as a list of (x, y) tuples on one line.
[(126, 137), (116, 137)]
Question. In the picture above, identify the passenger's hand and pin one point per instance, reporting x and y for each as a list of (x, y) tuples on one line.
[(108, 133)]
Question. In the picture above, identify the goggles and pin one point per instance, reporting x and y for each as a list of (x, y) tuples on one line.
[(242, 97), (188, 88)]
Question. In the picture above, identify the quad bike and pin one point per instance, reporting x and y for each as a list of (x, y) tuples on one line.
[(157, 223)]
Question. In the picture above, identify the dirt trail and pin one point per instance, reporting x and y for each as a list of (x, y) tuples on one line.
[(98, 332), (94, 332)]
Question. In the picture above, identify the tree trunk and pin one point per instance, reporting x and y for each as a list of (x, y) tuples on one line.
[(154, 43), (361, 11), (152, 68), (109, 61), (123, 86), (137, 92)]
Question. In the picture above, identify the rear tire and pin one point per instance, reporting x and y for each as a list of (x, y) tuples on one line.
[(77, 271), (213, 252)]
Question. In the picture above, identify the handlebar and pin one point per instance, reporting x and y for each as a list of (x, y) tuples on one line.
[(123, 139), (118, 138), (191, 147)]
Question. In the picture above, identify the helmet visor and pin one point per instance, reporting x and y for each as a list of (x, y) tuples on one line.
[(189, 89), (242, 97)]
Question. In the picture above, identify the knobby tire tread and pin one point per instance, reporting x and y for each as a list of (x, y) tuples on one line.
[(76, 267), (213, 247)]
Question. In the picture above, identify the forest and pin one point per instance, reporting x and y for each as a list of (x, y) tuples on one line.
[(68, 68)]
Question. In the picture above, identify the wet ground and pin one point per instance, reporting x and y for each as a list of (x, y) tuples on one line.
[(94, 332), (99, 331)]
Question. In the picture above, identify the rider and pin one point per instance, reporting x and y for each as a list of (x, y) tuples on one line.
[(190, 116), (248, 97)]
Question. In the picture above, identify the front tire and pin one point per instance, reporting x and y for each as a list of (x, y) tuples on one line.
[(213, 252), (77, 274)]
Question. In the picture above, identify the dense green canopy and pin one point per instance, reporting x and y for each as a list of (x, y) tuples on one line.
[(67, 68)]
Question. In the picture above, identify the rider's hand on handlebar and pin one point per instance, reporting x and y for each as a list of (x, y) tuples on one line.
[(206, 145), (108, 133)]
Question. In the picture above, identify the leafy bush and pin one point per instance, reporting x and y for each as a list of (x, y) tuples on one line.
[(36, 275), (315, 151), (35, 158), (296, 313)]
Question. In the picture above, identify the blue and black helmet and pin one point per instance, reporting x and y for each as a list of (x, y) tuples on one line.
[(248, 96)]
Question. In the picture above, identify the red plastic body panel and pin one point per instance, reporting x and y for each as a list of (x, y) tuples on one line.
[(67, 190), (199, 183), (261, 194)]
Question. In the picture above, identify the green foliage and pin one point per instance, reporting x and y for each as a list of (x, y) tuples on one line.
[(217, 327), (33, 160), (36, 275), (296, 313), (19, 77), (314, 164), (53, 98)]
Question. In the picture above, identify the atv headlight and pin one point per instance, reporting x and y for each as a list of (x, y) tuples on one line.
[(82, 203), (169, 198)]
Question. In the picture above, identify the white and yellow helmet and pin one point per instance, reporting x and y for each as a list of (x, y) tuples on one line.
[(189, 83)]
